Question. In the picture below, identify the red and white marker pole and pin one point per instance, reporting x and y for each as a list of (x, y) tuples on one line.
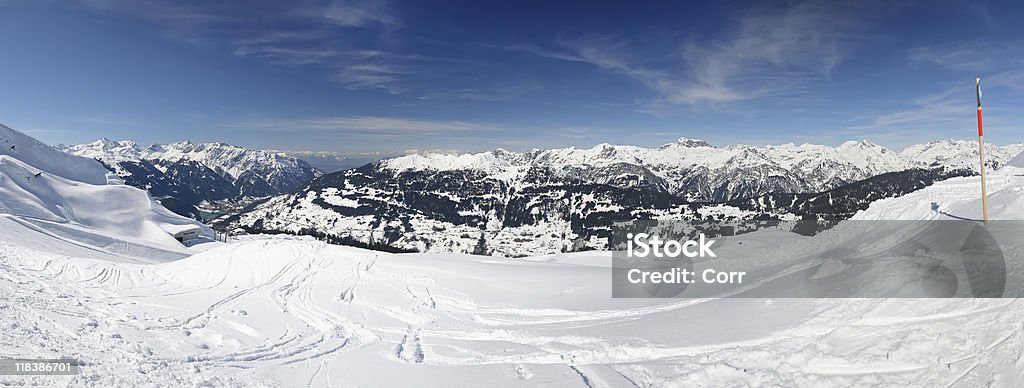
[(981, 151)]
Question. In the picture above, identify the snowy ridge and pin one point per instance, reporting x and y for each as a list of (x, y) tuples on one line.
[(46, 158), (695, 170), (961, 154), (236, 162), (108, 151), (253, 172)]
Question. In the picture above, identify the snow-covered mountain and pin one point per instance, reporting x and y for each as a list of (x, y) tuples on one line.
[(696, 171), (457, 211), (185, 174), (253, 172), (467, 211), (500, 202), (960, 154)]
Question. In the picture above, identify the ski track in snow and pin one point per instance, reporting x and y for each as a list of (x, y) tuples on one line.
[(286, 313)]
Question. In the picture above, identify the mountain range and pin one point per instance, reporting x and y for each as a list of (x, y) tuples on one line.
[(544, 201), (184, 174), (697, 171)]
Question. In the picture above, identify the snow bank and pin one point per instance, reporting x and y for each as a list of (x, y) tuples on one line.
[(46, 158), (112, 218), (956, 198)]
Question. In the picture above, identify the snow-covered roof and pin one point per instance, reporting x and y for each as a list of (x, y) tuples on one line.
[(175, 229)]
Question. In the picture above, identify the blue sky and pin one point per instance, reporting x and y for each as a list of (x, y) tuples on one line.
[(365, 76)]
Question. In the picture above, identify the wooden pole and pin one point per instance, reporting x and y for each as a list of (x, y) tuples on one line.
[(981, 152), (984, 192)]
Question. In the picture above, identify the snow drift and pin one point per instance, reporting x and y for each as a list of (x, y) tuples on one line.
[(46, 158), (114, 219), (61, 203)]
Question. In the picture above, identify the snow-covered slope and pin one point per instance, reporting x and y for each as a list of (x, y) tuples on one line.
[(114, 219), (957, 198), (1017, 161), (46, 158), (54, 213), (300, 313)]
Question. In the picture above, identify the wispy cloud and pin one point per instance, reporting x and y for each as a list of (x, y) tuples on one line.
[(951, 110), (287, 56), (375, 125), (156, 9), (371, 76), (974, 56), (772, 52), (353, 13), (953, 105), (179, 21), (769, 52), (308, 35), (41, 131), (108, 121), (497, 93), (359, 45)]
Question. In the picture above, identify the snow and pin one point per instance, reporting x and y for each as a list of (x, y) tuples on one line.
[(233, 160), (87, 273), (229, 161), (960, 154), (112, 219), (956, 198), (486, 161), (288, 313), (46, 158), (109, 151), (810, 168), (687, 153), (1017, 161)]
